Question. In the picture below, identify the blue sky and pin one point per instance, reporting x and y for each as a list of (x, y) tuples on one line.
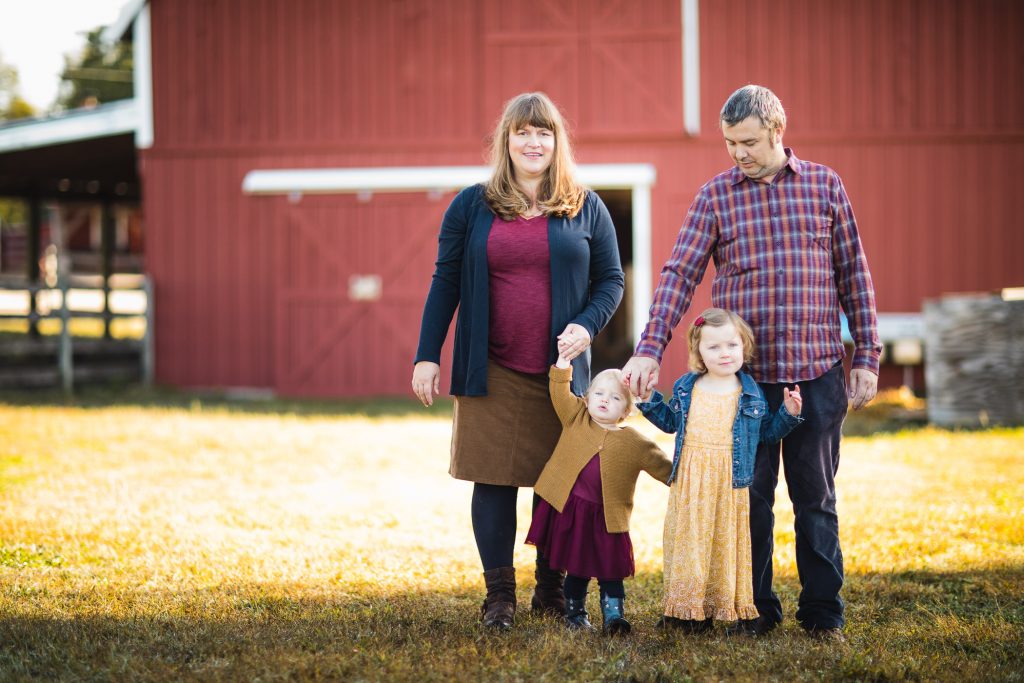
[(35, 35)]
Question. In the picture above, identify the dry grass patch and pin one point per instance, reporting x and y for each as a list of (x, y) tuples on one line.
[(197, 543)]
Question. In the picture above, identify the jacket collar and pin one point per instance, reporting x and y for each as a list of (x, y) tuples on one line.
[(750, 387)]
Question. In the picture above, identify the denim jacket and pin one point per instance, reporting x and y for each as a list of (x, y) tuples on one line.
[(753, 424)]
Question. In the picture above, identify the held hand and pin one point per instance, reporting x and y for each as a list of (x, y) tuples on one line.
[(863, 387), (793, 401), (426, 381), (640, 374), (573, 341)]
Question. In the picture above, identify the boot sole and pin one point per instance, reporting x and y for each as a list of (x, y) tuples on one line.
[(497, 626), (618, 628)]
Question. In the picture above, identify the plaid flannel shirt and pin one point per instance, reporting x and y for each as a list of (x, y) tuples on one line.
[(787, 254)]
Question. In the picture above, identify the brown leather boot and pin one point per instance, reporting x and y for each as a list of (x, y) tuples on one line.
[(499, 608), (548, 597)]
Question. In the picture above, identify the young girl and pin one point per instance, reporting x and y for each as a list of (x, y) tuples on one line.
[(581, 523), (719, 415)]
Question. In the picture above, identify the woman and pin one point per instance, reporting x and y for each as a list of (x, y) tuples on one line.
[(530, 260)]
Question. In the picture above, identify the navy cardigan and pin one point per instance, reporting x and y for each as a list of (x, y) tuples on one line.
[(586, 286)]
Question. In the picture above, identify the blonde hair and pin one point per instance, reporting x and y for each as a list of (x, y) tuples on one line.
[(559, 193), (718, 317), (615, 375)]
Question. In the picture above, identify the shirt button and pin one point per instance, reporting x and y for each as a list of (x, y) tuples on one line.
[(779, 271)]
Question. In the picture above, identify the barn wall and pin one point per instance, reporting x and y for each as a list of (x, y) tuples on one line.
[(907, 99)]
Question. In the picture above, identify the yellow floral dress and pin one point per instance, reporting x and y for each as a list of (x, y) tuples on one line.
[(707, 527)]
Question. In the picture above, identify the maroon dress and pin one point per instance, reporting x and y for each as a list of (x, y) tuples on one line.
[(577, 539)]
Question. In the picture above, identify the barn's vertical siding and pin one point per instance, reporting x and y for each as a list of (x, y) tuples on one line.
[(913, 102)]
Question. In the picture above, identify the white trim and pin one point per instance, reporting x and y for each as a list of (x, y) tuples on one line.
[(420, 178), (643, 282), (690, 11), (896, 326), (142, 58), (116, 31), (114, 118), (635, 177)]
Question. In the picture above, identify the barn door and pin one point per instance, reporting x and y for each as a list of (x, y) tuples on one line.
[(352, 277), (613, 66)]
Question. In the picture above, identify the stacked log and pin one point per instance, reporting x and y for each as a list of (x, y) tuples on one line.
[(974, 353)]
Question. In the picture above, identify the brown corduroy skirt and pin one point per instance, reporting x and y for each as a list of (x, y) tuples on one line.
[(507, 436)]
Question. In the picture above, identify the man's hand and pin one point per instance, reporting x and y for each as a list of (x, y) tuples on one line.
[(426, 381), (863, 387), (640, 375)]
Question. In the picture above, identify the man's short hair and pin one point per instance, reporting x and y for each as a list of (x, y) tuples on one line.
[(754, 100)]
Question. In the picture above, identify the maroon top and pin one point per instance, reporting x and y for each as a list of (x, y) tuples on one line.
[(519, 264)]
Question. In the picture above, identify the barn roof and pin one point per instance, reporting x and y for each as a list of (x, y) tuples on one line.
[(83, 152), (122, 26)]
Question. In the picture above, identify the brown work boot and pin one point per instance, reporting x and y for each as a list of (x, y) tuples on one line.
[(499, 608), (548, 597)]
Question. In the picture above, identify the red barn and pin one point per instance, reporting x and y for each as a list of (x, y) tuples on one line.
[(298, 156)]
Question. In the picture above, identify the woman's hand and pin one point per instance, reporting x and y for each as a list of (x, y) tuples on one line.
[(573, 341), (426, 381), (793, 401)]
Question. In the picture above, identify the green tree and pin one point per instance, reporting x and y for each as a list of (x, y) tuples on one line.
[(99, 73), (12, 105)]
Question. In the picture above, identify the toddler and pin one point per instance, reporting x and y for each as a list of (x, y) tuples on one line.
[(581, 524)]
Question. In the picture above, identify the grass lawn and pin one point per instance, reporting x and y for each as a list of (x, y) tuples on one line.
[(194, 541)]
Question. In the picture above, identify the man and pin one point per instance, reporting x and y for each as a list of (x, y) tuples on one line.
[(787, 255)]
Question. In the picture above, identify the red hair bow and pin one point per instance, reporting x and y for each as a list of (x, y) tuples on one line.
[(699, 321)]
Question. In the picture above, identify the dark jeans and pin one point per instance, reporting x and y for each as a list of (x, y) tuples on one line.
[(810, 456)]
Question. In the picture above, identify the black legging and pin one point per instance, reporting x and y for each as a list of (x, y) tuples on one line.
[(494, 523), (576, 587)]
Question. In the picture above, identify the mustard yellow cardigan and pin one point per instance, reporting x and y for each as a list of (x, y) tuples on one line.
[(624, 453)]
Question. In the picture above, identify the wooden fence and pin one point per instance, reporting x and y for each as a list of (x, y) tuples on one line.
[(32, 357)]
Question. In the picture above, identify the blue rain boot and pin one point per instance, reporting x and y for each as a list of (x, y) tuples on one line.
[(613, 616), (576, 617)]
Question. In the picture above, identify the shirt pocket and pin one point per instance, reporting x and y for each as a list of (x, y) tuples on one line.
[(753, 413), (734, 256), (754, 410), (812, 229)]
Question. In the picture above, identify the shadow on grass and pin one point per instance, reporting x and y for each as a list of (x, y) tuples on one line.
[(889, 414), (872, 420), (906, 626), (163, 398)]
